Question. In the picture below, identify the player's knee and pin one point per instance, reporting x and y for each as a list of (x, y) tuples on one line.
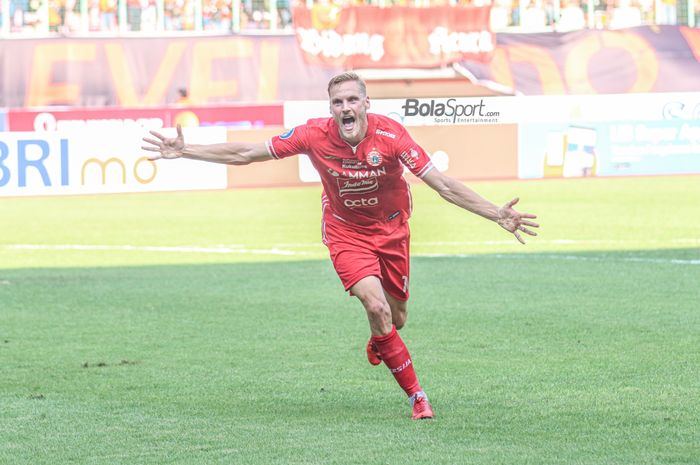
[(376, 308), (399, 320), (399, 313)]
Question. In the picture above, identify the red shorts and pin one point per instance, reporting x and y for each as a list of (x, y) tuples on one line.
[(356, 255)]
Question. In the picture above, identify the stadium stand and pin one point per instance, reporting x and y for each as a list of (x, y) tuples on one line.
[(108, 17)]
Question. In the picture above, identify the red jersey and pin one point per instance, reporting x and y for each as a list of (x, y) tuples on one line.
[(363, 185)]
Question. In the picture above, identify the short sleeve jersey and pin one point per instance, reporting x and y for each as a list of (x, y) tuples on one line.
[(363, 185)]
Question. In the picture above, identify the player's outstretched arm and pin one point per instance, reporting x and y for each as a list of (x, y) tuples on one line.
[(230, 153), (457, 193)]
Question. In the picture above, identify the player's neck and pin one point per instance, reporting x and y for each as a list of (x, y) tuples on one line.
[(355, 142)]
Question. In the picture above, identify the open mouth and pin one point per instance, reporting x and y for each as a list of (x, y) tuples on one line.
[(348, 122)]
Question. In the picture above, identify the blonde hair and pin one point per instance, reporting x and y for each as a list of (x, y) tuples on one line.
[(345, 77)]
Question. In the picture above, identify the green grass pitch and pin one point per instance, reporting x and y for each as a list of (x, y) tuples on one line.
[(209, 328)]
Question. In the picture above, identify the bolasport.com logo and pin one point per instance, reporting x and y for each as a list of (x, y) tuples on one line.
[(450, 111)]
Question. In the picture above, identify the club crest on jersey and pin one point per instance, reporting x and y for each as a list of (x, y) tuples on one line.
[(374, 158), (287, 134)]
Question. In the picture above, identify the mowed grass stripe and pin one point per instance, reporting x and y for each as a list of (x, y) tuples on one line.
[(576, 215), (527, 361)]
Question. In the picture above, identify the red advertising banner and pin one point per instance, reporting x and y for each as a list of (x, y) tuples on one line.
[(232, 117), (396, 37)]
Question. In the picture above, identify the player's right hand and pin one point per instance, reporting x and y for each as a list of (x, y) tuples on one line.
[(165, 147)]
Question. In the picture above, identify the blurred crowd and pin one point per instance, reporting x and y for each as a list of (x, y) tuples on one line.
[(36, 17), (118, 16)]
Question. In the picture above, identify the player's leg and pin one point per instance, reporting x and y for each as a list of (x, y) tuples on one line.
[(358, 268), (399, 310), (394, 263), (398, 319), (390, 346), (369, 291), (354, 261), (393, 260)]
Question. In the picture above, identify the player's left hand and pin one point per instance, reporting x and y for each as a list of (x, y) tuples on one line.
[(516, 222)]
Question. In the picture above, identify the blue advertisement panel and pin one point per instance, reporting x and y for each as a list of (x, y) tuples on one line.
[(619, 148)]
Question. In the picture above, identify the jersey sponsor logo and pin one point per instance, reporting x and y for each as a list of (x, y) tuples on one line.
[(287, 134), (410, 158), (364, 186), (363, 202), (394, 215), (353, 164), (386, 134), (365, 173), (333, 172), (332, 157), (374, 158)]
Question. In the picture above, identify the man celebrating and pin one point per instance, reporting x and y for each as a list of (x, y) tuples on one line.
[(366, 205)]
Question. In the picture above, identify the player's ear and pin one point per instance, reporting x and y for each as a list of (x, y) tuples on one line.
[(367, 101)]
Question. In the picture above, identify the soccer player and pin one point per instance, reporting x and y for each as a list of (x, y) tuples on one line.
[(366, 204)]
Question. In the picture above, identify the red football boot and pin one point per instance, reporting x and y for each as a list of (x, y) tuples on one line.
[(373, 353), (421, 406)]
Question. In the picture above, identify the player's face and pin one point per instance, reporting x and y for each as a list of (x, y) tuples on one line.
[(349, 109)]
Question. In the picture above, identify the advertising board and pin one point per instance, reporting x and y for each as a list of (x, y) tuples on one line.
[(117, 119), (98, 162)]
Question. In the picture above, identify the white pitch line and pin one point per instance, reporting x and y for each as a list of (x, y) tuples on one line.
[(567, 242), (665, 261), (147, 248), (534, 242)]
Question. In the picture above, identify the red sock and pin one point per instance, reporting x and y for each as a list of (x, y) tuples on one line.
[(396, 357)]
